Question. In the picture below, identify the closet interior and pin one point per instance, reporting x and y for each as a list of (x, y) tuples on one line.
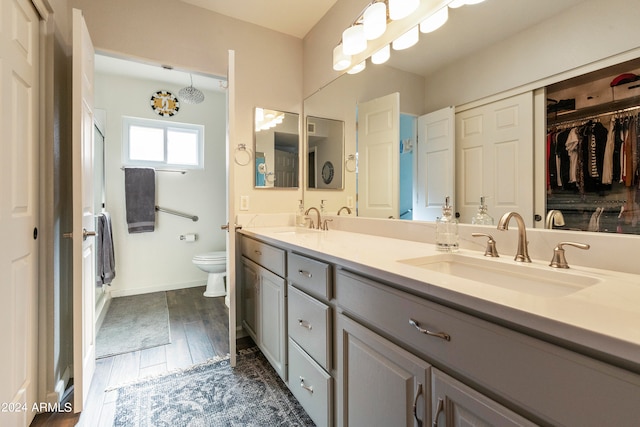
[(593, 148)]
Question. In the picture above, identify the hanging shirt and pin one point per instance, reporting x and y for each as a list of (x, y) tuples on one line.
[(607, 160), (572, 146)]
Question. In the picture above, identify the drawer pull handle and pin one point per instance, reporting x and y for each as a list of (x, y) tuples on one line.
[(441, 335), (304, 324), (415, 405), (257, 252), (439, 409), (305, 273), (306, 387)]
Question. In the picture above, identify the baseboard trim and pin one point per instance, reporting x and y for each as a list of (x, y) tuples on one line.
[(157, 288)]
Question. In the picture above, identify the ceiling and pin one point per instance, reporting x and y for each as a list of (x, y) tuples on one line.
[(293, 17), (111, 65)]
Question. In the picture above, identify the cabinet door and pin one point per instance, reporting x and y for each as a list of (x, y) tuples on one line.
[(455, 404), (271, 323), (381, 384), (250, 280)]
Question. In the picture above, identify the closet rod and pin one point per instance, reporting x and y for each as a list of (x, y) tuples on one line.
[(577, 118), (182, 171)]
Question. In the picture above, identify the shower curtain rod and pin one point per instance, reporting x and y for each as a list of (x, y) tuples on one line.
[(182, 171)]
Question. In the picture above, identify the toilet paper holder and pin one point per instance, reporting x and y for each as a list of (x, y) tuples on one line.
[(189, 237)]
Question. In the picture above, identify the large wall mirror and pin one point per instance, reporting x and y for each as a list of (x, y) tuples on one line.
[(277, 148), (325, 151), (413, 73)]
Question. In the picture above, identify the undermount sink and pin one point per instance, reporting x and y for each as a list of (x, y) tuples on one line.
[(521, 277)]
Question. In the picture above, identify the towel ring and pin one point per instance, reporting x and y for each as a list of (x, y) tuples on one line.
[(242, 155), (350, 163)]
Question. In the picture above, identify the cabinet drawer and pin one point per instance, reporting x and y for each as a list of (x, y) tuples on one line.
[(311, 385), (551, 382), (310, 275), (269, 257), (309, 325)]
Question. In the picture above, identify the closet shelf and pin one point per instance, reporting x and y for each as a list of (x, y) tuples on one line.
[(594, 111)]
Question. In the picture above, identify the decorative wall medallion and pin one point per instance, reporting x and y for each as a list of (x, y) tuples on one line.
[(165, 103)]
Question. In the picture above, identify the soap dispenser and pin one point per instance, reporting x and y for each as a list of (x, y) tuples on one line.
[(482, 217), (300, 221), (447, 230)]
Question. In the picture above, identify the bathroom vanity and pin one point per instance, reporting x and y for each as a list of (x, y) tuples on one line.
[(399, 334)]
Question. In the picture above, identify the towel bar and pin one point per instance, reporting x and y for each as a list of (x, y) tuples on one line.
[(193, 218)]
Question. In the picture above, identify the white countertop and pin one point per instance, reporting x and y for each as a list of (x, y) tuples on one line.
[(602, 320)]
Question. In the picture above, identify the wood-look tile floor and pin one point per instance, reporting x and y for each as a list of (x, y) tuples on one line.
[(199, 331)]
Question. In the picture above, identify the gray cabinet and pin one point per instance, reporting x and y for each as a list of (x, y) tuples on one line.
[(455, 404), (250, 281), (546, 383), (380, 383), (264, 302), (310, 328)]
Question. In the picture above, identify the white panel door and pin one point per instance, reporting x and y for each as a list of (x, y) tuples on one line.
[(494, 158), (84, 277), (19, 54), (379, 157), (231, 143), (435, 157)]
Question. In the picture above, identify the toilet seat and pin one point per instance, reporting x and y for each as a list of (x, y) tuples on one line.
[(211, 257)]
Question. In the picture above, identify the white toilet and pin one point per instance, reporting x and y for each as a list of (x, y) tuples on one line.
[(214, 263)]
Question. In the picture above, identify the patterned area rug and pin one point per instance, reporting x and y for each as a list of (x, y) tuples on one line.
[(212, 394)]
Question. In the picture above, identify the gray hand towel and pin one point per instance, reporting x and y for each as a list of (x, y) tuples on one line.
[(105, 259), (140, 199)]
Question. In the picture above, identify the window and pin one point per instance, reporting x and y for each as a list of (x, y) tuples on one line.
[(162, 144)]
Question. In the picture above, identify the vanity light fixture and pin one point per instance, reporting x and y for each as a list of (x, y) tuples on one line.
[(399, 9), (406, 40), (357, 68), (382, 55), (354, 40), (340, 61), (374, 20), (435, 21)]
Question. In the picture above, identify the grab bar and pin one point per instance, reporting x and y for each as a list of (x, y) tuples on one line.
[(193, 218)]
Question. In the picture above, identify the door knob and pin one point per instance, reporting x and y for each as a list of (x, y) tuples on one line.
[(86, 234)]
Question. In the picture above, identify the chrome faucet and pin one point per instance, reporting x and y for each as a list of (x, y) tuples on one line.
[(344, 208), (522, 254), (319, 223)]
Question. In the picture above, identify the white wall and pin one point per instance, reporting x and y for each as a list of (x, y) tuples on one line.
[(147, 262)]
